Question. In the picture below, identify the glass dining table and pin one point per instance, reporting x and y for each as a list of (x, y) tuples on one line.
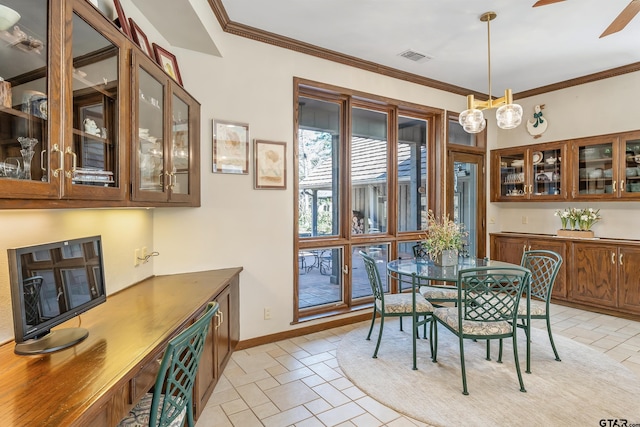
[(416, 272)]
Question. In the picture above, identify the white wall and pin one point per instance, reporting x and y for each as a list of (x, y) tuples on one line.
[(122, 231), (238, 226), (602, 107)]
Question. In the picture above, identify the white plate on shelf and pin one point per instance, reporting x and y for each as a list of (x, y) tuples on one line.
[(537, 157)]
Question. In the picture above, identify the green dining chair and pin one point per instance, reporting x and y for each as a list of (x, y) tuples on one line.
[(172, 398), (487, 308), (395, 305), (544, 266)]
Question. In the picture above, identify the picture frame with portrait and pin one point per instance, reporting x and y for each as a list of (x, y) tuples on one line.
[(269, 165), (167, 62), (140, 38), (230, 147)]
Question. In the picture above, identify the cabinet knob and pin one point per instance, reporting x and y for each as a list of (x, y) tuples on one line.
[(614, 186), (56, 149), (613, 257), (622, 185), (620, 258)]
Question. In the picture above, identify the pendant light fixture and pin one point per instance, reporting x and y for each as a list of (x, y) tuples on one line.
[(508, 116)]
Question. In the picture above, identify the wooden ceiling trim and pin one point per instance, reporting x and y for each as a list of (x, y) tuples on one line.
[(309, 49)]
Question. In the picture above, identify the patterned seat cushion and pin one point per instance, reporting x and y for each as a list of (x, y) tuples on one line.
[(139, 415), (439, 293), (538, 308), (449, 315), (402, 303)]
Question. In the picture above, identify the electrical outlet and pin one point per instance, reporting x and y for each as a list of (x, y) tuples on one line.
[(143, 255), (492, 220), (267, 313), (136, 257), (525, 219)]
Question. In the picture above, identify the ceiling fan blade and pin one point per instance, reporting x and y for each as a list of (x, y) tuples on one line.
[(621, 21), (545, 2)]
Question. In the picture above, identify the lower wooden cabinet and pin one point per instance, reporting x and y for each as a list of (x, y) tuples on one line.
[(602, 273), (222, 338), (510, 248)]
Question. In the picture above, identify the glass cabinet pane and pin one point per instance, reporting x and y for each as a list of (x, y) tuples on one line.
[(92, 160), (512, 179), (546, 172), (632, 166), (23, 91), (179, 146), (150, 133), (595, 169)]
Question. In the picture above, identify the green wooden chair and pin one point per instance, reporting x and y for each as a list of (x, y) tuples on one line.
[(544, 266), (395, 305), (172, 398), (487, 308)]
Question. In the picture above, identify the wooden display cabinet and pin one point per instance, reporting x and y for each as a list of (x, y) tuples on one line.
[(165, 135), (534, 172), (68, 75)]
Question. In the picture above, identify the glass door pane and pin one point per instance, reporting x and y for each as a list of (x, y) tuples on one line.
[(360, 285), (369, 172), (632, 166), (24, 93), (547, 168), (596, 169), (412, 174), (319, 277), (466, 204), (512, 179), (179, 146), (92, 159), (150, 133), (318, 167)]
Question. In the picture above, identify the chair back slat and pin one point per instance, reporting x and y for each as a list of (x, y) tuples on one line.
[(374, 276), (544, 266), (174, 384), (490, 294)]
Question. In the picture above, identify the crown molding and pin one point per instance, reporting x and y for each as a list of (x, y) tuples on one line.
[(309, 49)]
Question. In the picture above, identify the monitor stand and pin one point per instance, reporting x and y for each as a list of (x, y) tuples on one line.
[(53, 341)]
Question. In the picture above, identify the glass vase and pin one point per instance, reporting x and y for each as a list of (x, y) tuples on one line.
[(27, 155)]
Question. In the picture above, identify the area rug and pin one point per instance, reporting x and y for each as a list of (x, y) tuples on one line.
[(582, 389)]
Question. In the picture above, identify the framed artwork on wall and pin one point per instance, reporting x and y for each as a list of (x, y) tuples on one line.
[(122, 19), (140, 38), (269, 165), (230, 147), (168, 62)]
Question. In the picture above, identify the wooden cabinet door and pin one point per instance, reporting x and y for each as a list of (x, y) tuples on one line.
[(560, 247), (206, 379), (594, 274), (223, 332), (629, 279), (508, 249)]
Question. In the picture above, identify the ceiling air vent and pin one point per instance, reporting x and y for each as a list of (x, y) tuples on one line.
[(415, 56)]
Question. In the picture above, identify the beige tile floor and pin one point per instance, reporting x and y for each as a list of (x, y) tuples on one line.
[(297, 382)]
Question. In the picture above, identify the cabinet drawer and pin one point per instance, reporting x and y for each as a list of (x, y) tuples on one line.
[(144, 380)]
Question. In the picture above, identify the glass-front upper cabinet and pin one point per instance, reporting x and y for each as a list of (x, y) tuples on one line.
[(166, 125), (92, 155), (630, 162), (25, 94), (597, 173), (535, 172)]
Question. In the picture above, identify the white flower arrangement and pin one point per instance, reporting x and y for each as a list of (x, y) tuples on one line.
[(580, 219)]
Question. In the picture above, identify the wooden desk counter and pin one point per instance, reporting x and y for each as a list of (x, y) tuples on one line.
[(96, 381)]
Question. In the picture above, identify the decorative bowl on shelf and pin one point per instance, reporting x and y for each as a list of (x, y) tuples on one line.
[(551, 160), (608, 173), (8, 17), (632, 171), (595, 173), (517, 163)]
